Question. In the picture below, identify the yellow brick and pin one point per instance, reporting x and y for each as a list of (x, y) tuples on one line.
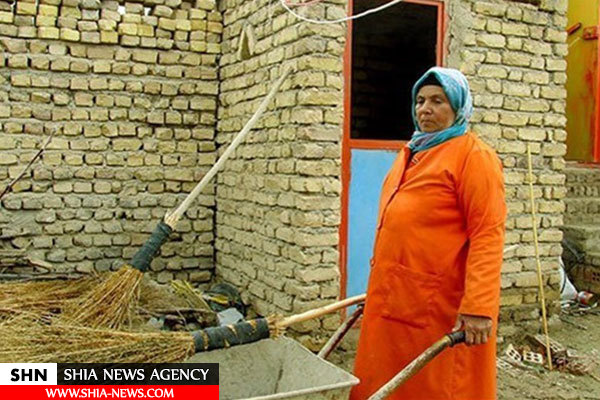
[(70, 35), (182, 14), (145, 30), (167, 24), (107, 25), (198, 25), (213, 48), (42, 20), (51, 11), (198, 46), (6, 17), (129, 40), (47, 32), (216, 27), (109, 37), (183, 25), (102, 66), (26, 8), (206, 4), (128, 29), (70, 12), (197, 14), (511, 299), (131, 19)]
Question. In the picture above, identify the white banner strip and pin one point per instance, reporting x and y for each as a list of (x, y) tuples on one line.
[(28, 374)]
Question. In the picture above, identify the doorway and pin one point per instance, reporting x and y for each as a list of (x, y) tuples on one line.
[(386, 53)]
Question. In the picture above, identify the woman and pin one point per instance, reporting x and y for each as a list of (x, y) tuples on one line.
[(437, 254)]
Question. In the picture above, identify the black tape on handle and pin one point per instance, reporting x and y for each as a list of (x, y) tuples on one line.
[(456, 338), (230, 335), (142, 259)]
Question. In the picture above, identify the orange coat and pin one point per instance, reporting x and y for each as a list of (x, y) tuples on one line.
[(438, 253)]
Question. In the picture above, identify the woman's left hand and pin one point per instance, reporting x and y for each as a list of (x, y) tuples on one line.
[(477, 328)]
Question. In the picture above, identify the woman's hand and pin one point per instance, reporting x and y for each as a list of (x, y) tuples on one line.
[(477, 329)]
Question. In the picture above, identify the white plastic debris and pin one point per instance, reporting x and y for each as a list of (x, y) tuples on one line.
[(567, 289), (229, 316)]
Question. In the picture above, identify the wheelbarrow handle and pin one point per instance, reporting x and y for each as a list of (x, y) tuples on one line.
[(339, 334), (418, 363)]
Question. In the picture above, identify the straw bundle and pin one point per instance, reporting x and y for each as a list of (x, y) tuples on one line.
[(110, 304), (176, 310), (185, 290), (155, 297), (27, 339), (42, 296)]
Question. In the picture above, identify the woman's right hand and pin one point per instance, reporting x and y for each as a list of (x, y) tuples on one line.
[(477, 328)]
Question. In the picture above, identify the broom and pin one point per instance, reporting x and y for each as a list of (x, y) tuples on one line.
[(112, 302), (27, 339), (42, 296)]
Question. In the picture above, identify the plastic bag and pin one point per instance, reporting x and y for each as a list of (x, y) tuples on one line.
[(567, 289)]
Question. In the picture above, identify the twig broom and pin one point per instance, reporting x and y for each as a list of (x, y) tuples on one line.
[(42, 296)]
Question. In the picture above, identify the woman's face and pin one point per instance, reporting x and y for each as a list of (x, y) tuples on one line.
[(434, 112)]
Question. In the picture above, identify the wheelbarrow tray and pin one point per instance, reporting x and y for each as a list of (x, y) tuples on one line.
[(276, 369)]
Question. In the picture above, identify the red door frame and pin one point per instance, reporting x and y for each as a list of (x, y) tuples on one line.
[(596, 149), (349, 143)]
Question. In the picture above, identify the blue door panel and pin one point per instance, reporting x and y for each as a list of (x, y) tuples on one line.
[(368, 169)]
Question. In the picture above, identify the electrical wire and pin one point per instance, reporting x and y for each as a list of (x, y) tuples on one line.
[(335, 21), (308, 3)]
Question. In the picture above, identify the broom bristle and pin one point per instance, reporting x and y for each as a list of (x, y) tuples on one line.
[(185, 290), (42, 296), (110, 304), (275, 329), (26, 338)]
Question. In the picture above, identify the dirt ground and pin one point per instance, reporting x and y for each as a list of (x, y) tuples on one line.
[(581, 334)]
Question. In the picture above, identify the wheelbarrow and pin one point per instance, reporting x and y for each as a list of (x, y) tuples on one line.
[(283, 369), (276, 369)]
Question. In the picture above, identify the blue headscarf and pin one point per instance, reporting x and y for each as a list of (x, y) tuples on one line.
[(456, 87)]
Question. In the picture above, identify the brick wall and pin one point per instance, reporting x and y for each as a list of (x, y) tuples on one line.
[(278, 199), (583, 195), (131, 90)]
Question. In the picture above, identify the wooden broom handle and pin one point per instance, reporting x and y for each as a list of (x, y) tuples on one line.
[(318, 312), (172, 218)]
